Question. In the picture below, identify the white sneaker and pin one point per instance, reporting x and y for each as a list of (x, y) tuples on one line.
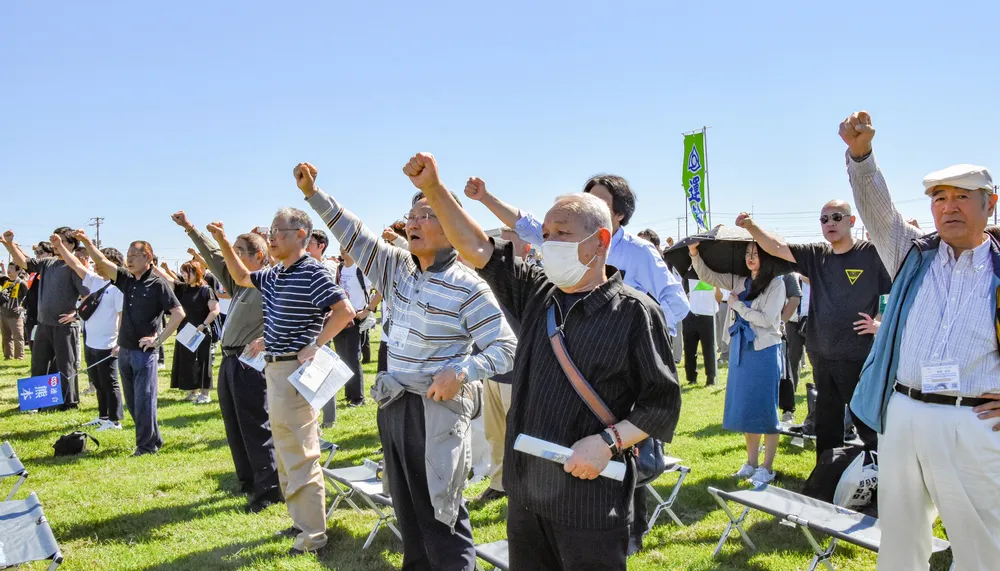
[(745, 472), (89, 390), (788, 416), (761, 477), (95, 422), (202, 399), (191, 397), (108, 425)]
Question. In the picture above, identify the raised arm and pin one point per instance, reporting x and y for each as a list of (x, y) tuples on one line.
[(166, 273), (476, 190), (378, 259), (237, 270), (66, 256), (210, 253), (105, 267), (16, 255), (889, 231), (768, 242), (462, 231), (707, 275)]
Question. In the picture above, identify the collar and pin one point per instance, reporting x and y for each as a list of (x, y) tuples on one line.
[(295, 264), (979, 255), (601, 295), (443, 258), (617, 237), (145, 275)]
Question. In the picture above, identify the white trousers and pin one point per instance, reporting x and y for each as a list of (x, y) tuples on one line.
[(944, 457)]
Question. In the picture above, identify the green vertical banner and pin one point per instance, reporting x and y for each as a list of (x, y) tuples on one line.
[(693, 178)]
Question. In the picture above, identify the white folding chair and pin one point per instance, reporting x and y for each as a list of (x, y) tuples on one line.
[(26, 535), (495, 553), (10, 465), (666, 505), (360, 482)]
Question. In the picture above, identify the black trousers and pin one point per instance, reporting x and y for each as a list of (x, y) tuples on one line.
[(57, 349), (537, 544), (836, 380), (640, 523), (348, 346), (796, 347), (103, 374), (428, 544), (383, 356), (243, 402), (366, 347), (699, 328)]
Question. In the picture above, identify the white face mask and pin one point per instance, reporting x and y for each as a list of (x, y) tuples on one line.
[(562, 262)]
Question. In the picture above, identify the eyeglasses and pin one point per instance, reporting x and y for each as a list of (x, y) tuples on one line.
[(273, 232), (243, 251), (836, 216), (419, 217)]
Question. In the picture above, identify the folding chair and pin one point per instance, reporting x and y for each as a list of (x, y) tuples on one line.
[(673, 465), (360, 482), (10, 465), (809, 515), (495, 554), (26, 534), (329, 458)]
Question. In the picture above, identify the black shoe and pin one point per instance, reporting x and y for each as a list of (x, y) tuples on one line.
[(490, 495), (317, 552), (356, 403), (262, 503), (710, 383), (634, 545), (290, 532), (693, 382), (142, 453)]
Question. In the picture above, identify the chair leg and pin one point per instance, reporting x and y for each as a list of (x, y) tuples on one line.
[(17, 485), (667, 505), (822, 555), (734, 522)]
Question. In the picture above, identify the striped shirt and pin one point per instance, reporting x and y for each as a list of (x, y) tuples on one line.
[(952, 315), (436, 315), (296, 300)]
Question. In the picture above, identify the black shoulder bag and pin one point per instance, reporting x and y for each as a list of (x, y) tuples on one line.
[(649, 459), (89, 304)]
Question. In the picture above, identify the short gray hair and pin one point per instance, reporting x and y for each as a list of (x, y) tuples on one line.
[(297, 219), (593, 211)]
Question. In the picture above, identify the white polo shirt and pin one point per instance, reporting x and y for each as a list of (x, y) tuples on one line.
[(102, 327)]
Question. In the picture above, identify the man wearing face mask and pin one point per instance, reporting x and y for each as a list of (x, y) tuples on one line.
[(642, 266), (566, 516)]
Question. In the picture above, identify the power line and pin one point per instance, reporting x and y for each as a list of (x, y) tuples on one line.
[(97, 220)]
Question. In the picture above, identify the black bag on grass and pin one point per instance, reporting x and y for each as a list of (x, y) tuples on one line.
[(73, 443)]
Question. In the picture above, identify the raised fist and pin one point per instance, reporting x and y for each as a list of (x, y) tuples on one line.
[(422, 170), (744, 220), (389, 234), (475, 188), (305, 177), (693, 249), (164, 266), (56, 239), (857, 132), (192, 252), (217, 230), (181, 219), (81, 235), (8, 237)]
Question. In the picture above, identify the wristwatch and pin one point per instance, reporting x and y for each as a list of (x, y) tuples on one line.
[(610, 441), (461, 375)]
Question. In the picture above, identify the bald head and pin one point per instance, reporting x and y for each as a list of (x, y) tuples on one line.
[(592, 212), (837, 205)]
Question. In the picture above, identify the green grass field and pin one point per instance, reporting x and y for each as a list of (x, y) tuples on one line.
[(177, 510)]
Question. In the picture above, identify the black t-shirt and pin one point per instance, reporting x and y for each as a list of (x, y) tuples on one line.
[(194, 300), (843, 285), (147, 298)]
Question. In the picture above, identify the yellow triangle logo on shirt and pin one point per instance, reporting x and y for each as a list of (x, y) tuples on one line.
[(853, 275)]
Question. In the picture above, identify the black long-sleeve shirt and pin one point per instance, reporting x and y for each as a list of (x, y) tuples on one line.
[(618, 339)]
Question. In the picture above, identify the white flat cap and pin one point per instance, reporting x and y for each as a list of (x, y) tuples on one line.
[(969, 177)]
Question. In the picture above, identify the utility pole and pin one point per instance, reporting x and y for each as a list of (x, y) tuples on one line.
[(97, 221)]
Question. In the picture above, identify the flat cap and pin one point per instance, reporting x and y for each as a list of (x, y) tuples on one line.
[(969, 177)]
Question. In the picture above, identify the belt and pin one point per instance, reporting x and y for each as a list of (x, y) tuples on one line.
[(939, 399), (232, 351), (269, 358)]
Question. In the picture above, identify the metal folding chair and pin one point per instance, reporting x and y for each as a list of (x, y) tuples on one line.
[(495, 553), (26, 534), (10, 465), (349, 484), (666, 505)]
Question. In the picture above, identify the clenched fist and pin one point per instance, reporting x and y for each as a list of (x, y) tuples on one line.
[(8, 238), (475, 188), (423, 172), (857, 132), (181, 220), (305, 178), (744, 220), (81, 236), (56, 240), (217, 230)]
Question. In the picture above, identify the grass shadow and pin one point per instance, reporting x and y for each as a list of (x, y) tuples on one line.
[(233, 556), (140, 526)]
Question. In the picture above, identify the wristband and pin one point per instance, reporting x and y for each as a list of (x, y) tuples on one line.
[(618, 437), (610, 441)]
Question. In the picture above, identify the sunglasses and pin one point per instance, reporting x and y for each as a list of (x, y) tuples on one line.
[(836, 216)]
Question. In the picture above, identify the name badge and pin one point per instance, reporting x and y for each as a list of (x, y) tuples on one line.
[(398, 332), (940, 376)]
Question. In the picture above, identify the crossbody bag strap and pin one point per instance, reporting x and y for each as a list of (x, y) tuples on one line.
[(361, 280), (580, 384)]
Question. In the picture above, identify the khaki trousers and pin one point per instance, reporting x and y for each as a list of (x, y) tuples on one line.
[(12, 331), (496, 403), (296, 449)]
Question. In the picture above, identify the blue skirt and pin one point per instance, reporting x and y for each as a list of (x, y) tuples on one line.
[(752, 389)]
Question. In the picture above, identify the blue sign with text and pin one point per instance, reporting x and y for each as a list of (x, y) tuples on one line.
[(39, 392)]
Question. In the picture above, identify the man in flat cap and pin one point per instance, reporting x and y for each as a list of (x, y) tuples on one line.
[(931, 385)]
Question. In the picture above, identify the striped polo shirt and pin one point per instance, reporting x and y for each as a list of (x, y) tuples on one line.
[(437, 312), (296, 300)]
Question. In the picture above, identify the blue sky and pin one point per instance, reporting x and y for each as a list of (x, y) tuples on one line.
[(132, 110)]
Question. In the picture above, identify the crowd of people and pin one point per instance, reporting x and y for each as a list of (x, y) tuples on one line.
[(548, 330)]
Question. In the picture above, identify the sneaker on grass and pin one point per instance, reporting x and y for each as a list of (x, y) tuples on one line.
[(108, 425), (761, 477), (745, 472), (95, 422)]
